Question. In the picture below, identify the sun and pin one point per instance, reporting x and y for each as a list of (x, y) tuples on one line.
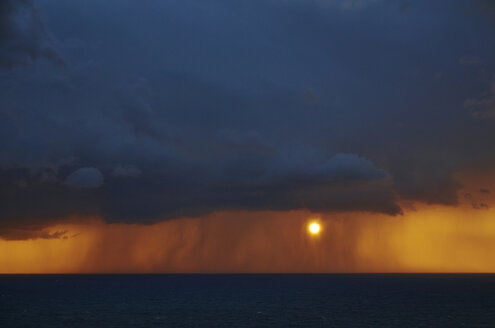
[(314, 228)]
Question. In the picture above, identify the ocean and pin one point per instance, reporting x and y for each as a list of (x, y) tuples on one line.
[(225, 300)]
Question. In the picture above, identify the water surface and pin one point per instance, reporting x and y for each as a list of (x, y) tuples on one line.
[(359, 300)]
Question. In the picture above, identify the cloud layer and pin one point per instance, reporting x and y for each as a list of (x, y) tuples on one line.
[(170, 109)]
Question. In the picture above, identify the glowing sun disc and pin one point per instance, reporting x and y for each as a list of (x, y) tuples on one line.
[(314, 228)]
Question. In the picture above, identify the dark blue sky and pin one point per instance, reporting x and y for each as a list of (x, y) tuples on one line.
[(147, 110)]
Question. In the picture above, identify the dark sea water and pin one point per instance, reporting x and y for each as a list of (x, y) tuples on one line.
[(247, 301)]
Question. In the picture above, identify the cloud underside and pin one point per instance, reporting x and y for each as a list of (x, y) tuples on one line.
[(345, 182)]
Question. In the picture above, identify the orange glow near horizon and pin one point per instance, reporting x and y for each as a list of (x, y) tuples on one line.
[(428, 239)]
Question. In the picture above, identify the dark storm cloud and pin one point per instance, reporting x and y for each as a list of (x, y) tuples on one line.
[(85, 177), (344, 182), (126, 171), (483, 107), (180, 108), (23, 36)]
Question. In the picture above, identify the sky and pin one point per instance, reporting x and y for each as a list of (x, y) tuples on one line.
[(185, 136)]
